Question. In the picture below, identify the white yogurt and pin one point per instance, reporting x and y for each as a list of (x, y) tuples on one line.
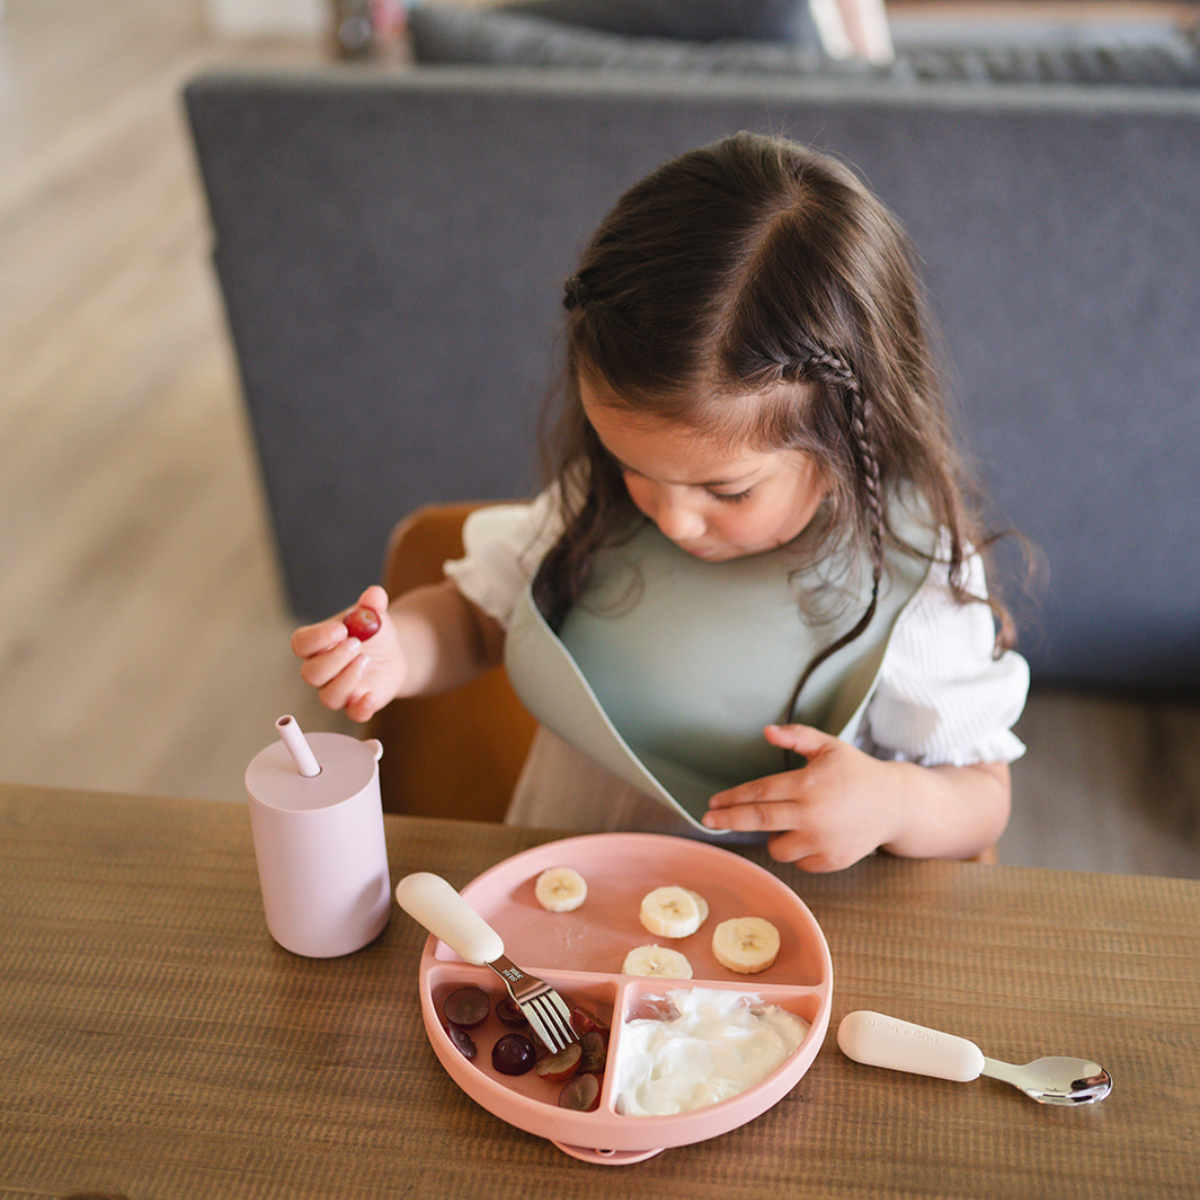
[(720, 1044)]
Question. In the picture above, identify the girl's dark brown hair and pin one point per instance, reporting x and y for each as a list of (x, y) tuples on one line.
[(756, 291)]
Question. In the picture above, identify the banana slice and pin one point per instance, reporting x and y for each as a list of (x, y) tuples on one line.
[(746, 945), (560, 889), (670, 912), (657, 960), (701, 904)]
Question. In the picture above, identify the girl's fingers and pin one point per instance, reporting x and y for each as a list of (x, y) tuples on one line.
[(342, 687), (769, 790), (322, 668), (802, 739), (770, 804), (799, 850), (333, 661), (361, 706), (374, 598), (310, 640), (755, 817)]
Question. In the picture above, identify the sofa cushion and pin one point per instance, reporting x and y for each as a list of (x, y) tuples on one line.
[(693, 20), (444, 34)]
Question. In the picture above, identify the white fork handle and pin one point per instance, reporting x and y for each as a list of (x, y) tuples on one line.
[(430, 900), (879, 1041)]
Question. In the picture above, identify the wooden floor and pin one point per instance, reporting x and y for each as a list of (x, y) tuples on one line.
[(143, 633)]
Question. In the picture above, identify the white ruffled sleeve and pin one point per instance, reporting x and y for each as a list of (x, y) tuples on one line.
[(941, 698), (504, 544)]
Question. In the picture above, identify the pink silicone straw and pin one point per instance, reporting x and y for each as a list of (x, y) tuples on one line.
[(298, 747)]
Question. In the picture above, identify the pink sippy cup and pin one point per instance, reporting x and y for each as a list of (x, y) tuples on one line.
[(317, 822)]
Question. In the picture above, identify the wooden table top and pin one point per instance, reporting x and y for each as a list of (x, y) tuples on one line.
[(156, 1043)]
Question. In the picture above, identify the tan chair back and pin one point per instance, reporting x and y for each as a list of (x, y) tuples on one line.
[(456, 755)]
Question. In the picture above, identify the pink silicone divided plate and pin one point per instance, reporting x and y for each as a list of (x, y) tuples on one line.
[(581, 954)]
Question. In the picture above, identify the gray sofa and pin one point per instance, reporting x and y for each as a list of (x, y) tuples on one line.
[(391, 244)]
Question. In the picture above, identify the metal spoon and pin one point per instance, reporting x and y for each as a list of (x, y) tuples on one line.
[(879, 1041)]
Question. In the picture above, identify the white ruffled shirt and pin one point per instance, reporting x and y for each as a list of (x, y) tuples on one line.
[(941, 698)]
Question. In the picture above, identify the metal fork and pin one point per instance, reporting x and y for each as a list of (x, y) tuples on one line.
[(430, 900)]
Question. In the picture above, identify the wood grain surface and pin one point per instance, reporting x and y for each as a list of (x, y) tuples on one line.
[(155, 1042)]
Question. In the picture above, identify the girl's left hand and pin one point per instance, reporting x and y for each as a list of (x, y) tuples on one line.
[(839, 807)]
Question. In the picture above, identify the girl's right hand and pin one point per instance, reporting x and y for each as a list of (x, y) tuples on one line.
[(356, 677)]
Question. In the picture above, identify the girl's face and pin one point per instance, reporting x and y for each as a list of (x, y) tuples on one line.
[(712, 500)]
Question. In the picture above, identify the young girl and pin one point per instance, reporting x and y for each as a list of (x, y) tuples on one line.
[(757, 568)]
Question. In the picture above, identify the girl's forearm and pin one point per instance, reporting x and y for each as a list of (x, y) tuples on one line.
[(950, 812), (446, 639)]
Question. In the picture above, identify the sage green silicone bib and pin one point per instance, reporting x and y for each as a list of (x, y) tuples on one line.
[(669, 668)]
